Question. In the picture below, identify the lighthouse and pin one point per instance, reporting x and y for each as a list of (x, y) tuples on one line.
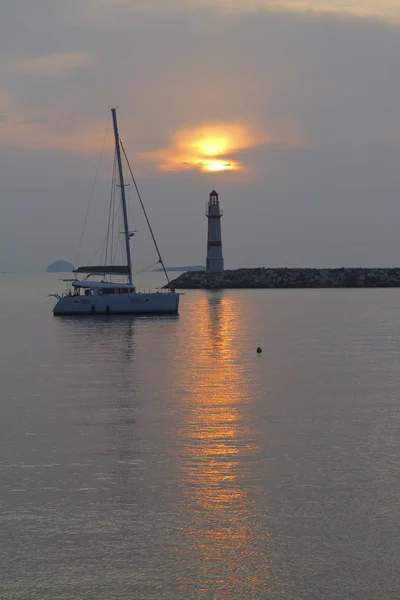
[(215, 261)]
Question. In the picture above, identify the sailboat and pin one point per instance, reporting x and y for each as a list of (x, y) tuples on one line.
[(89, 296)]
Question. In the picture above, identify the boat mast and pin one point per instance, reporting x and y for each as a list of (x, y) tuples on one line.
[(123, 197)]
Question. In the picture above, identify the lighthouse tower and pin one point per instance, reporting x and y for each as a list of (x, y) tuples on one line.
[(215, 261)]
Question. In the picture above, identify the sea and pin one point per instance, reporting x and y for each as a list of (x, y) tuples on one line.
[(159, 458)]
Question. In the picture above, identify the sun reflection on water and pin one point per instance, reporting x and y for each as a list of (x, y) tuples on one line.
[(217, 449)]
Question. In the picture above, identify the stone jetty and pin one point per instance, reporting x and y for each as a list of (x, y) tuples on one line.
[(345, 277)]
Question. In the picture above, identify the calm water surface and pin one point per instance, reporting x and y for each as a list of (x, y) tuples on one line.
[(162, 458)]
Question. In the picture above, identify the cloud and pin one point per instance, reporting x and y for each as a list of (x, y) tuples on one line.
[(32, 135), (32, 121), (388, 10), (303, 81), (213, 146), (56, 65), (32, 130), (207, 147)]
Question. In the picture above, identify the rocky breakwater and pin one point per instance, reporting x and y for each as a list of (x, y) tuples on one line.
[(289, 278)]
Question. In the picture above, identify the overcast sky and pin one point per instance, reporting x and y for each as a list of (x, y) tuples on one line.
[(299, 99)]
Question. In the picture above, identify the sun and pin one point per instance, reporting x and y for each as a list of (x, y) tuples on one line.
[(220, 165), (209, 148)]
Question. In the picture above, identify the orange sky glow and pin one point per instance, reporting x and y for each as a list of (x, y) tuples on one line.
[(209, 148), (387, 10)]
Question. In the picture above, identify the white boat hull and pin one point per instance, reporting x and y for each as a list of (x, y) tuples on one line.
[(118, 304)]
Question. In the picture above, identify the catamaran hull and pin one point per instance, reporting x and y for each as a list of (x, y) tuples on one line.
[(119, 304)]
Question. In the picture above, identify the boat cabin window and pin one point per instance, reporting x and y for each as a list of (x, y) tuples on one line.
[(88, 292), (115, 291)]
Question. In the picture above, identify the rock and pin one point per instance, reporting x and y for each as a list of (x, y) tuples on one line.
[(289, 278)]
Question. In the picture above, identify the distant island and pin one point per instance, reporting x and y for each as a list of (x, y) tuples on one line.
[(185, 269), (60, 266)]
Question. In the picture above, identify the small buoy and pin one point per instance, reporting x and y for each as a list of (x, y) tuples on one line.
[(259, 350)]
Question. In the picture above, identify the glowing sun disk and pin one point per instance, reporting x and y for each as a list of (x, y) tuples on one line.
[(211, 147), (220, 165), (206, 148)]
